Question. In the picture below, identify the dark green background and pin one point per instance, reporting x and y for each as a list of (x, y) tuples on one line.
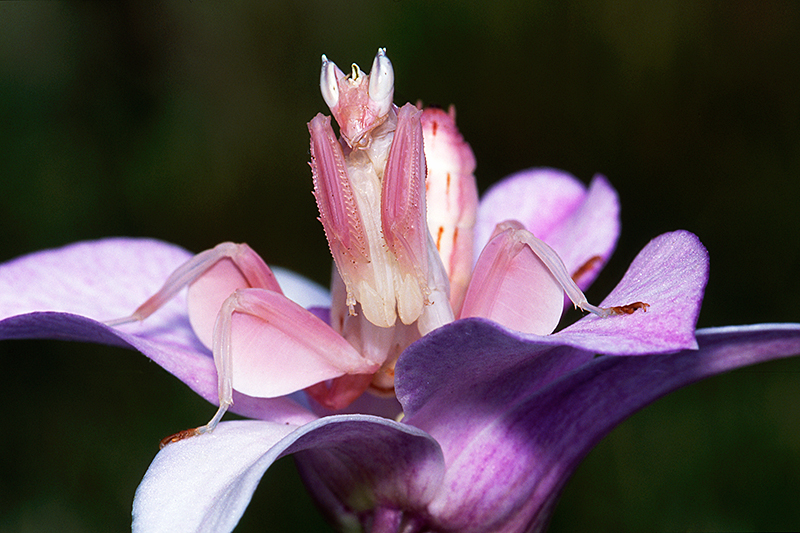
[(186, 122)]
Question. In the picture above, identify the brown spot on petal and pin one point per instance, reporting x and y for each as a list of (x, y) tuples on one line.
[(439, 238)]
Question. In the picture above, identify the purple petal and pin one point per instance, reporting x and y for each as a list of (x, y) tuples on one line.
[(108, 279), (580, 225), (669, 274), (428, 369), (456, 383), (205, 483), (505, 430), (573, 415)]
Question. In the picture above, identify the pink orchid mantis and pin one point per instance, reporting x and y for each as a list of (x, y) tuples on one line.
[(392, 282), (497, 411)]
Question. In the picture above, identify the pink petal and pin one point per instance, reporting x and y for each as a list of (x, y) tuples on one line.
[(451, 197)]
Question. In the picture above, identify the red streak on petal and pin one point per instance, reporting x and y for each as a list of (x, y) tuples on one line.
[(586, 267)]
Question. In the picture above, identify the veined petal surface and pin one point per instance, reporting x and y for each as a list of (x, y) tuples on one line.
[(103, 280)]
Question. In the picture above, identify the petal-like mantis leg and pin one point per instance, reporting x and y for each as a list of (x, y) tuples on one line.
[(336, 201), (512, 286), (269, 346), (403, 213), (556, 266)]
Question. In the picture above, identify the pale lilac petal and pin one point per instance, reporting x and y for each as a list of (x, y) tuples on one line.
[(205, 483), (540, 198), (581, 225), (481, 394), (586, 239), (102, 279), (110, 278), (669, 274)]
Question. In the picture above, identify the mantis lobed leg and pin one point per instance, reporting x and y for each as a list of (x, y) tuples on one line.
[(519, 281), (212, 276), (556, 266), (270, 346)]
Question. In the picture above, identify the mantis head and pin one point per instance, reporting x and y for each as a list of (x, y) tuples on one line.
[(359, 102)]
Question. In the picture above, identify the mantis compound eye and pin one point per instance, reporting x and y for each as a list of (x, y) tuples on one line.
[(329, 82), (381, 83)]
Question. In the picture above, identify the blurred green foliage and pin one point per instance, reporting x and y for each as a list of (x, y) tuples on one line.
[(185, 121)]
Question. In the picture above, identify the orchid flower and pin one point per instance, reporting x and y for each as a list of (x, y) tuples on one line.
[(497, 410)]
